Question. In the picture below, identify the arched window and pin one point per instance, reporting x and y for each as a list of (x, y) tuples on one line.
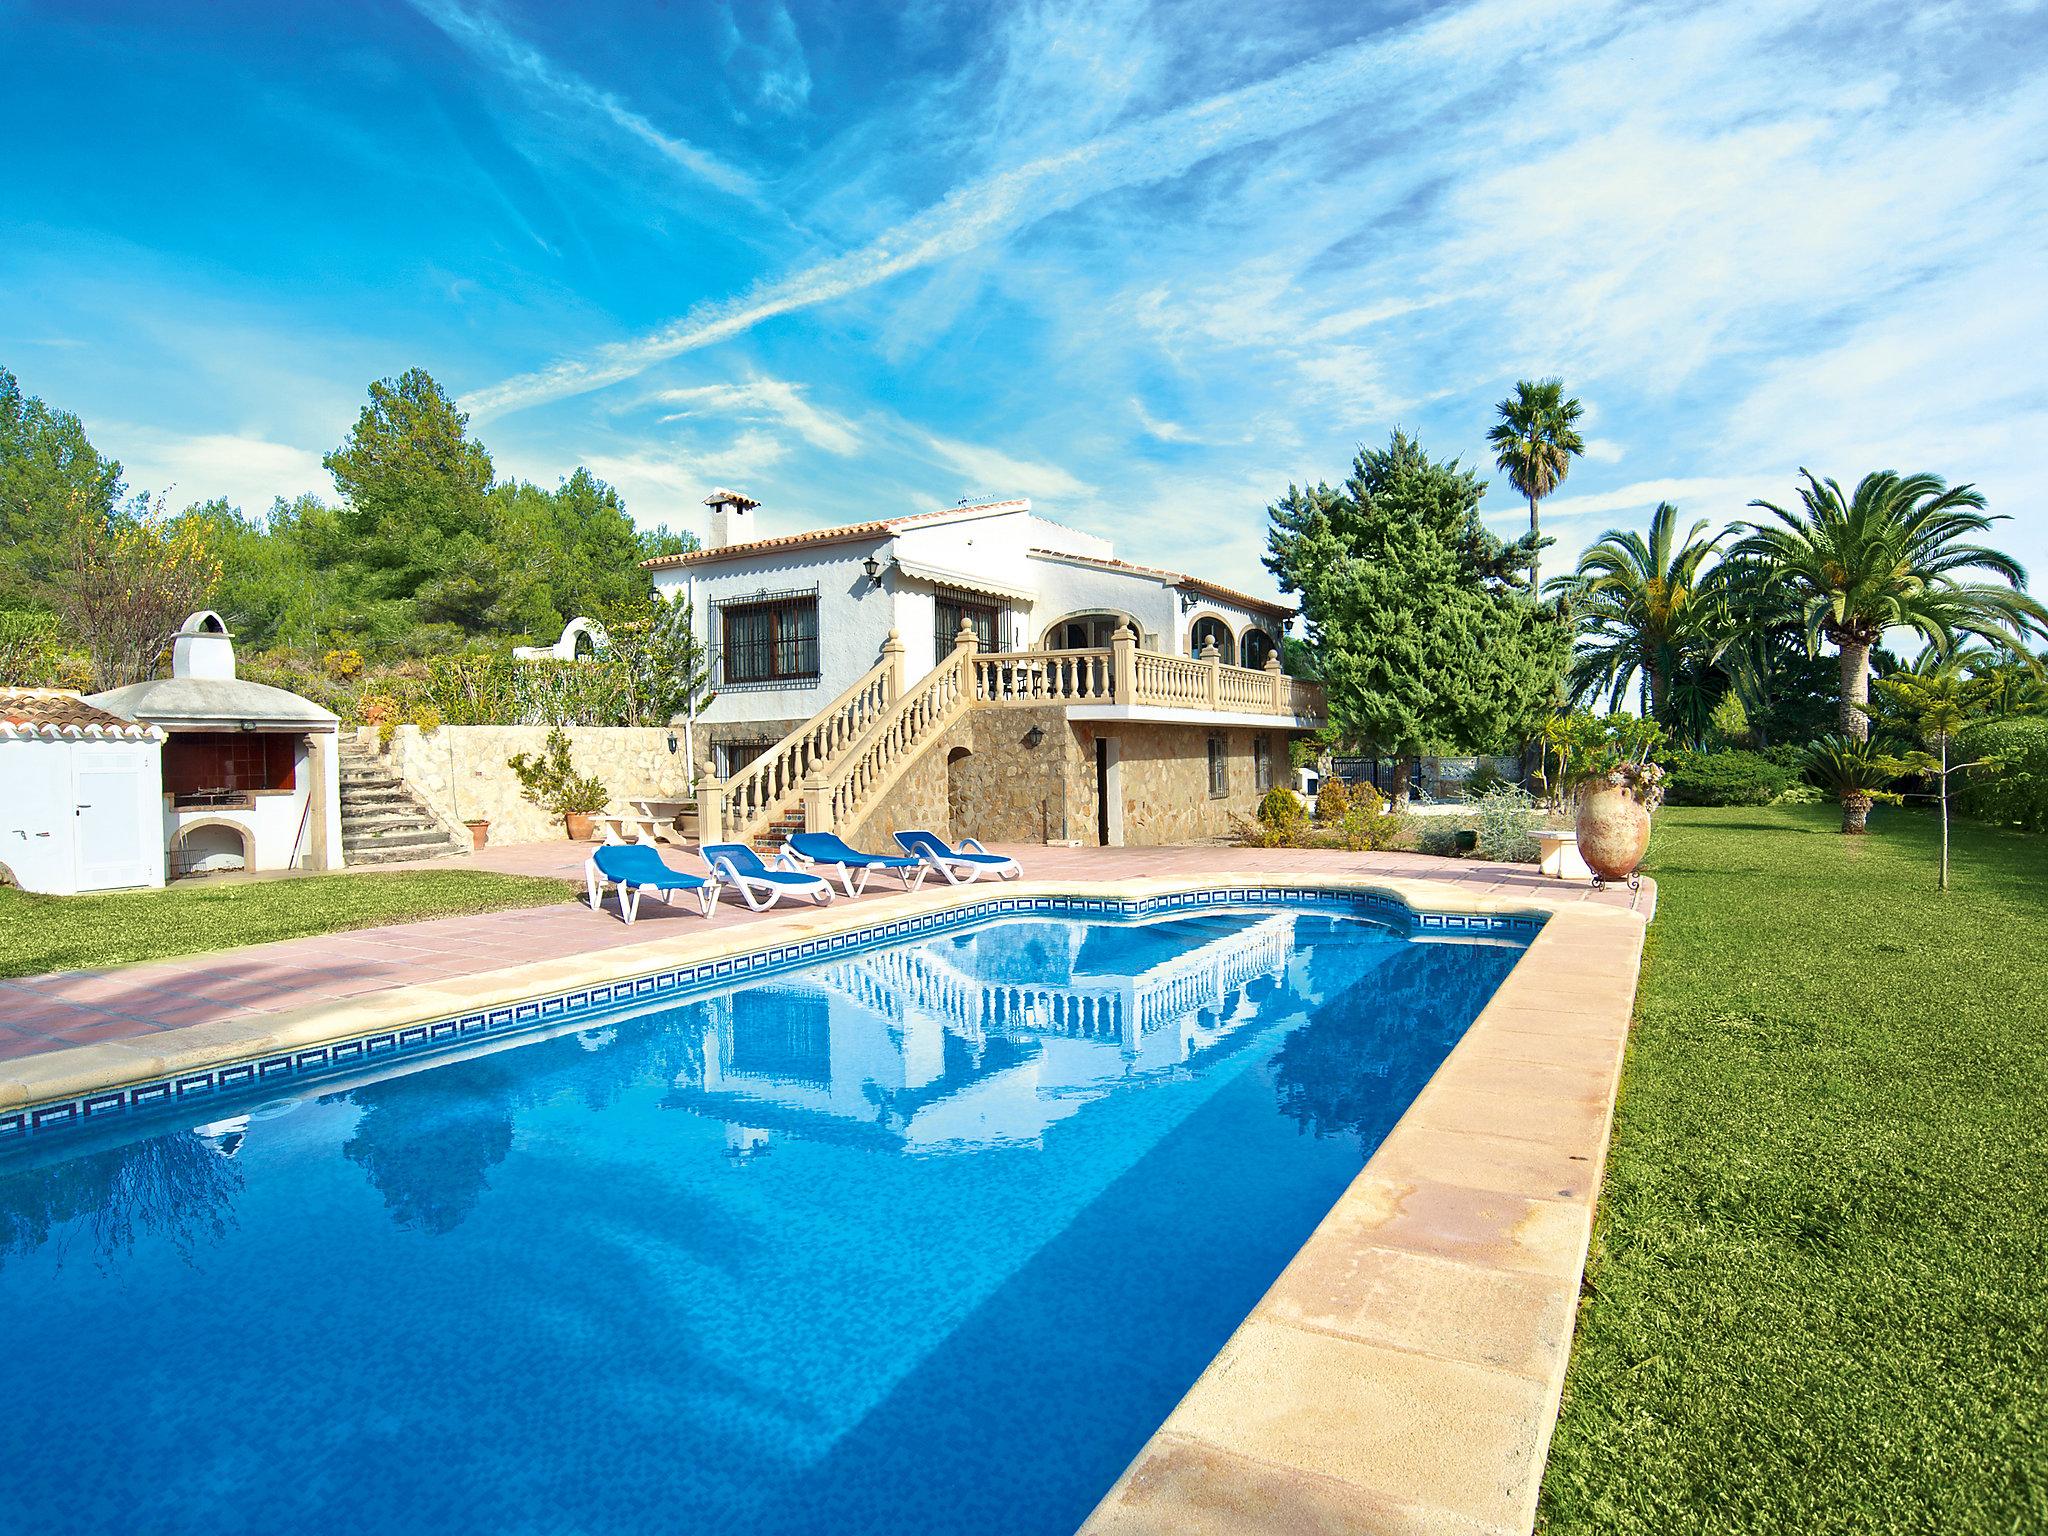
[(1208, 631), (1253, 647), (1085, 631)]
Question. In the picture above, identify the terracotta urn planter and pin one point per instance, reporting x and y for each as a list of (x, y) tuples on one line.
[(579, 824), (1614, 832), (479, 833)]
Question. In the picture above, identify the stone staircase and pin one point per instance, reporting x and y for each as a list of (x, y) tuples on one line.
[(769, 840), (382, 820)]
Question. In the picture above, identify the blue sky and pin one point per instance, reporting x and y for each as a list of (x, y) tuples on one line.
[(1143, 262)]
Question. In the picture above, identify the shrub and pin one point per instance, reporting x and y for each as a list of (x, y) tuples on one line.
[(1483, 780), (551, 782), (1506, 820), (2017, 794), (1437, 836), (1726, 778), (1333, 799), (1366, 824), (1281, 807)]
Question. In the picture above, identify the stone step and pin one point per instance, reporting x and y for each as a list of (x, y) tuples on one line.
[(393, 855), (367, 824), (388, 831), (418, 842), (386, 848)]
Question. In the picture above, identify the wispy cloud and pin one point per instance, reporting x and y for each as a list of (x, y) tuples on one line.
[(247, 472), (992, 472), (767, 56), (1709, 495), (1165, 431), (1142, 152), (489, 40), (761, 398)]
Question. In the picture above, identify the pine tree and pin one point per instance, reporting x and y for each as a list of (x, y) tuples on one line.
[(1424, 639)]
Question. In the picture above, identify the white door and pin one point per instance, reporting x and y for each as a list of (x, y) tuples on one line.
[(114, 847)]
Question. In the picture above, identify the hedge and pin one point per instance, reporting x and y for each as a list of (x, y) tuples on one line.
[(2016, 795), (1726, 778)]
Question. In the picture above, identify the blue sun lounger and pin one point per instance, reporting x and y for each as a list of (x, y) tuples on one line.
[(636, 869), (854, 867), (962, 866), (737, 865)]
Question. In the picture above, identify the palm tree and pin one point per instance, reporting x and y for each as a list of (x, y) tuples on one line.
[(1534, 443), (1890, 557), (1641, 607), (1856, 771)]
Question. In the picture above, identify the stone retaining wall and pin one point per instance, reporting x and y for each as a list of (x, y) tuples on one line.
[(461, 770)]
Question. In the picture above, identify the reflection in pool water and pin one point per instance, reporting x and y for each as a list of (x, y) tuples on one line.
[(925, 1240)]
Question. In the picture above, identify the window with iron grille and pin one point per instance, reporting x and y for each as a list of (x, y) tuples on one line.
[(1219, 767), (771, 642), (1262, 763), (947, 612)]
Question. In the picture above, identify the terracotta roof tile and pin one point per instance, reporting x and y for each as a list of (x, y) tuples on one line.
[(1176, 578), (845, 533), (54, 712)]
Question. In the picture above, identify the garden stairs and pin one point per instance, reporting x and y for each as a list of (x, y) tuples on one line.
[(382, 820), (832, 770)]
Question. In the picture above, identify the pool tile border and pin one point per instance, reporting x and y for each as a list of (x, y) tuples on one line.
[(1404, 1373), (65, 1089)]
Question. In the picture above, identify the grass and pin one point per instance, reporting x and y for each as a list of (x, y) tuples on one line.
[(1818, 1298), (61, 933)]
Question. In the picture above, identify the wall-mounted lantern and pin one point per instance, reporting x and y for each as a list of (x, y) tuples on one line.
[(874, 569), (672, 743), (1034, 736)]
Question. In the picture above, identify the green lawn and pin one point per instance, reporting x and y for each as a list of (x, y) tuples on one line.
[(1818, 1298), (61, 933)]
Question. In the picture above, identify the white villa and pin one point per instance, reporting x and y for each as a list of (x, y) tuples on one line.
[(979, 669)]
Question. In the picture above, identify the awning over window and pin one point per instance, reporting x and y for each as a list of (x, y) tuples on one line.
[(960, 581)]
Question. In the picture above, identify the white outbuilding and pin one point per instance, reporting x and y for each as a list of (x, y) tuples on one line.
[(250, 772), (81, 795)]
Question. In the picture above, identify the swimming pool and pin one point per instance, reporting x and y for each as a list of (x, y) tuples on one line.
[(927, 1237)]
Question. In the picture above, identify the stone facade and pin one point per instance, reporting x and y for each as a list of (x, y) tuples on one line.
[(986, 778), (461, 771), (1165, 781), (982, 779)]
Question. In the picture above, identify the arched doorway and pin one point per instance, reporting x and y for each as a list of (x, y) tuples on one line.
[(1253, 647), (1084, 631), (959, 822), (1210, 630), (209, 848)]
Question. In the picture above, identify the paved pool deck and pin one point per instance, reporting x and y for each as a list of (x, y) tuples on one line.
[(133, 1003)]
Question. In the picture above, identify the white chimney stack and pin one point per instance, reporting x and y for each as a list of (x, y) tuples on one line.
[(202, 648), (729, 511)]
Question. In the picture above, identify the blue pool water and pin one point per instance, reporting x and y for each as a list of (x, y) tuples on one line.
[(926, 1240)]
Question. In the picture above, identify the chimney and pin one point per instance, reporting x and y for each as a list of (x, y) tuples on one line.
[(729, 511), (203, 648)]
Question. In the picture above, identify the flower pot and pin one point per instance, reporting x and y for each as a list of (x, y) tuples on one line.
[(579, 825), (479, 834), (1614, 832)]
